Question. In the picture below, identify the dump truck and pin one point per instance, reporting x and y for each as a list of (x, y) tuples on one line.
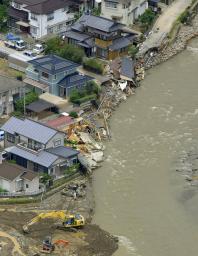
[(68, 220)]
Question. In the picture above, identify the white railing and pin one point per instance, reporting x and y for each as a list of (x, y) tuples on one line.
[(22, 193)]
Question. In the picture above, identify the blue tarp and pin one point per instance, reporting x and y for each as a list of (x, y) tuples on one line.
[(10, 36)]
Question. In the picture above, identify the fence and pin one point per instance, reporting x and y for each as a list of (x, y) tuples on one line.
[(21, 194)]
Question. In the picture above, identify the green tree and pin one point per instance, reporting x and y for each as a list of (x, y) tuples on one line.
[(3, 16), (132, 51), (29, 98)]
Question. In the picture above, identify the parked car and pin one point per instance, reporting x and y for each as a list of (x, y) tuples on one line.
[(38, 49), (29, 54)]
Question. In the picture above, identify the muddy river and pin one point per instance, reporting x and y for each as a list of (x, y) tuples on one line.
[(140, 196)]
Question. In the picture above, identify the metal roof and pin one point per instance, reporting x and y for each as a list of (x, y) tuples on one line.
[(53, 64), (43, 158), (74, 79), (65, 152), (30, 129), (120, 43), (39, 106), (127, 68)]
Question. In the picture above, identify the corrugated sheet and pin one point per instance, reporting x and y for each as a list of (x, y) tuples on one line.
[(29, 129), (43, 158)]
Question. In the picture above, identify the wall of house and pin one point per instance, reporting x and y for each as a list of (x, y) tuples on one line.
[(123, 14), (33, 185), (42, 26), (5, 184), (59, 136)]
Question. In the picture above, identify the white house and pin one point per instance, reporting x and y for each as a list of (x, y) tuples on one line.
[(42, 17), (15, 179), (124, 11)]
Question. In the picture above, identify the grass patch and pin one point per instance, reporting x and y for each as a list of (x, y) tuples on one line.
[(7, 71)]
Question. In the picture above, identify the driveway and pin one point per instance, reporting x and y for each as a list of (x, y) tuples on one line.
[(164, 24)]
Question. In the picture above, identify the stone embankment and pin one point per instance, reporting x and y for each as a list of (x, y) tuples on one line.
[(185, 33)]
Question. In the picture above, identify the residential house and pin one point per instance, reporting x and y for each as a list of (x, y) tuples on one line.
[(15, 179), (10, 90), (124, 11), (43, 17), (100, 37), (31, 145), (55, 75)]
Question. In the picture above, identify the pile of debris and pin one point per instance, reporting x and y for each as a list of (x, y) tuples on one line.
[(75, 189), (139, 70)]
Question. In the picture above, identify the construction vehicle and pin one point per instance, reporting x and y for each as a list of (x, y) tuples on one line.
[(48, 246), (68, 220)]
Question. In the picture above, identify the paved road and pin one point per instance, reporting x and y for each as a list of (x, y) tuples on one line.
[(164, 24)]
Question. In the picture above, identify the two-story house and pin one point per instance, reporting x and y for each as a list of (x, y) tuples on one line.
[(124, 11), (10, 90), (100, 37), (42, 17), (37, 147), (55, 75)]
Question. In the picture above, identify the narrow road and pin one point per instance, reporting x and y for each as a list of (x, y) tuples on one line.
[(164, 24)]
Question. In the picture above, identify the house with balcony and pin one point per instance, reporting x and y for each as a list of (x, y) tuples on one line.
[(124, 11), (37, 147), (55, 75), (10, 91), (100, 37), (42, 17)]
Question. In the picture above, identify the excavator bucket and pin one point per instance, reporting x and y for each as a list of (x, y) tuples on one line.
[(25, 229)]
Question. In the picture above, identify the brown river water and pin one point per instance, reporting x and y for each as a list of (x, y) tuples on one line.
[(140, 197)]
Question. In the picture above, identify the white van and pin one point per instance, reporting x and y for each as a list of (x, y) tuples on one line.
[(1, 135)]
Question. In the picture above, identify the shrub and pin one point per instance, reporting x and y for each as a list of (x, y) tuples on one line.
[(184, 16), (2, 190), (29, 98), (92, 87), (132, 51), (93, 65), (44, 178), (85, 99), (73, 114), (64, 50), (147, 18)]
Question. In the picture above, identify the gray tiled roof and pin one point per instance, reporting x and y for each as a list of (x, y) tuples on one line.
[(74, 80), (127, 67), (7, 84), (97, 22), (76, 35), (53, 64), (65, 152), (43, 158), (30, 129), (120, 43)]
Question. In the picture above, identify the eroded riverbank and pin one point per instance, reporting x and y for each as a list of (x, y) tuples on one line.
[(142, 198)]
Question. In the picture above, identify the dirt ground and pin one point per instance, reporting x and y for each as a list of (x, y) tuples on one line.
[(87, 241)]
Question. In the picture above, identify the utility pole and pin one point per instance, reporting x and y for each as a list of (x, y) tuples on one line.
[(24, 100)]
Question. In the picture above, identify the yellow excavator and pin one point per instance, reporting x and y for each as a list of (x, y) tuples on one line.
[(68, 220)]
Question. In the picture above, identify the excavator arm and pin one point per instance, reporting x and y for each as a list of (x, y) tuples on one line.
[(48, 215)]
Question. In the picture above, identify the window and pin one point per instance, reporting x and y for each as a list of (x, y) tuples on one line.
[(26, 185), (50, 30), (33, 30), (45, 75), (109, 4), (32, 144), (50, 16), (34, 16), (17, 6), (57, 143), (10, 138)]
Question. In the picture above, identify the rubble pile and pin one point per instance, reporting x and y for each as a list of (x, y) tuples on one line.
[(75, 189), (185, 33)]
